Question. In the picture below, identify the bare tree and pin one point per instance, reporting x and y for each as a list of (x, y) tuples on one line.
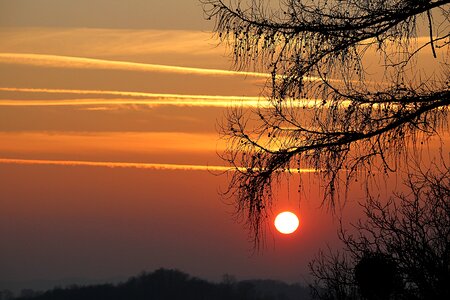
[(323, 107), (404, 243), (333, 276)]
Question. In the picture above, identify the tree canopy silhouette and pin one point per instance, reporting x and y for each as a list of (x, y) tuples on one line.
[(377, 276), (346, 92), (164, 284), (399, 248)]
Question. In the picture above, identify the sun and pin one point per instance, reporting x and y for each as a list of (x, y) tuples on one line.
[(286, 222)]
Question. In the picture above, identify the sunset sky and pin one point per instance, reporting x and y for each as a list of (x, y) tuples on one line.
[(108, 156)]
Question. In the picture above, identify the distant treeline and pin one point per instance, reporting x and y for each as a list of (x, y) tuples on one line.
[(173, 284)]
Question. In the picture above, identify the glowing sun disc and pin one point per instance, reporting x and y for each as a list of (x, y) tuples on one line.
[(286, 222)]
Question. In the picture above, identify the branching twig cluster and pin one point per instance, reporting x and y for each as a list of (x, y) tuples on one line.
[(327, 111), (412, 229)]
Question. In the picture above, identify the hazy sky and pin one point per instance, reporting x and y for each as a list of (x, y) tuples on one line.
[(108, 119), (132, 14), (89, 86)]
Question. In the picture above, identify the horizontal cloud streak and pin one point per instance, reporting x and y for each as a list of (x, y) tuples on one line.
[(151, 166), (157, 99), (124, 93), (112, 102), (58, 61)]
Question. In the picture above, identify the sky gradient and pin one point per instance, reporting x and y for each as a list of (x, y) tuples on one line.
[(108, 120), (108, 162)]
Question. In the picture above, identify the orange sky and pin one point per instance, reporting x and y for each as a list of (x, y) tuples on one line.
[(115, 87), (108, 143)]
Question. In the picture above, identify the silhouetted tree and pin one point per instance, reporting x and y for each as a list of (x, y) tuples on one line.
[(333, 273), (164, 284), (324, 109), (401, 249), (377, 276)]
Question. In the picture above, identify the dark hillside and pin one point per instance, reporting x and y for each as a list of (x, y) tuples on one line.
[(166, 284)]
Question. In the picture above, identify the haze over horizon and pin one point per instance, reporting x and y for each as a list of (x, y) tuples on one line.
[(108, 121)]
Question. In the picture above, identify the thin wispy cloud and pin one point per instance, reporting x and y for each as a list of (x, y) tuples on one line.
[(150, 166), (108, 42), (58, 61), (139, 98), (122, 93), (114, 102), (143, 98)]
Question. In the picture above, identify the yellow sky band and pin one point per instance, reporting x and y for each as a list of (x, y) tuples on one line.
[(125, 93), (110, 102), (157, 99), (60, 61), (151, 166)]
